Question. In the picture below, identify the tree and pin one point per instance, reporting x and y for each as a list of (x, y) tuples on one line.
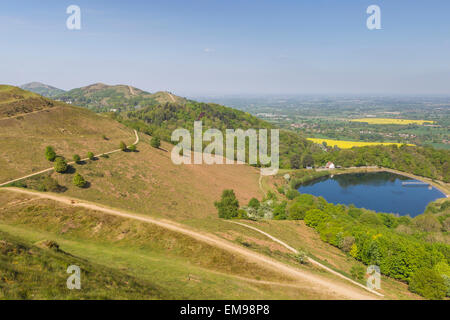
[(308, 161), (79, 181), (156, 142), (90, 155), (228, 206), (50, 153), (76, 158), (123, 146), (254, 203), (295, 161), (60, 165), (297, 210), (132, 148), (428, 283)]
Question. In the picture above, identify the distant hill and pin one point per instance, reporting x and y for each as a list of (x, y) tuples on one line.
[(162, 112), (42, 89), (101, 97)]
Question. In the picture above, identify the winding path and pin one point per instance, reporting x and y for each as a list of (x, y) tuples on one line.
[(284, 244), (73, 162), (315, 282)]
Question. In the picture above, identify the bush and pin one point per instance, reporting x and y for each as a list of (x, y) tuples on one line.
[(428, 283), (301, 257), (357, 271), (79, 181), (254, 203), (292, 193), (156, 142), (228, 206), (279, 211), (297, 211), (314, 217), (427, 223), (347, 243), (123, 146), (370, 218), (50, 184), (90, 155), (50, 153), (60, 165), (76, 158), (132, 148)]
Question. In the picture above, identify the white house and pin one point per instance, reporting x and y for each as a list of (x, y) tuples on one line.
[(330, 165)]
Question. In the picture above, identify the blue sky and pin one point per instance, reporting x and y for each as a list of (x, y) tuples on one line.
[(196, 47)]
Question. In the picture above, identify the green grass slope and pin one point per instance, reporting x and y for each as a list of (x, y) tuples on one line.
[(121, 259)]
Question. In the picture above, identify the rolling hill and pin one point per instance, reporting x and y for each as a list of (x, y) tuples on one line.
[(101, 97), (29, 123), (42, 89)]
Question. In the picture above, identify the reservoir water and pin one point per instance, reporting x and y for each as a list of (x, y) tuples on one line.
[(378, 191)]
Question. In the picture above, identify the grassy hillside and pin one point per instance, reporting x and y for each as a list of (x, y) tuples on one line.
[(148, 182), (15, 102), (30, 122), (42, 89), (122, 259)]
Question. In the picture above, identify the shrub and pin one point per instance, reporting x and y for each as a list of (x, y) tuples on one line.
[(427, 223), (301, 257), (76, 158), (242, 214), (132, 148), (50, 153), (347, 243), (123, 146), (50, 184), (280, 190), (155, 142), (79, 181), (279, 211), (297, 211), (254, 203), (370, 218), (228, 206), (292, 193), (90, 155), (314, 217), (357, 271), (60, 165), (428, 283)]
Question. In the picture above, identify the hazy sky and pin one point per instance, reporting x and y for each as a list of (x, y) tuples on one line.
[(193, 47)]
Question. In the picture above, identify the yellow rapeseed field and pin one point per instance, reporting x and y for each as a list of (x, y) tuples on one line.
[(391, 121), (349, 144)]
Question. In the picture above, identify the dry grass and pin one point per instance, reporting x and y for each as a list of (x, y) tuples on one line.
[(148, 182), (68, 129)]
